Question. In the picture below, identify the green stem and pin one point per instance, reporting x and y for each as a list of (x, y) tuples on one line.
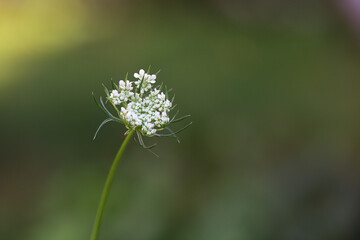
[(106, 190)]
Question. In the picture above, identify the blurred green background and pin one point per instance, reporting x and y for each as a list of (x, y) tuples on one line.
[(273, 90)]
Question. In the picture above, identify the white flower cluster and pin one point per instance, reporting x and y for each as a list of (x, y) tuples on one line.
[(124, 95), (144, 109), (146, 80)]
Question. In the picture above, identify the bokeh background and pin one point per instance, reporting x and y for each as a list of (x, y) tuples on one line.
[(273, 90)]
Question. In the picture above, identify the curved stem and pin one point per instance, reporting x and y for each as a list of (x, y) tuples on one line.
[(106, 190)]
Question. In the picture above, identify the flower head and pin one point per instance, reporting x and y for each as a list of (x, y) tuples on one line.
[(143, 107)]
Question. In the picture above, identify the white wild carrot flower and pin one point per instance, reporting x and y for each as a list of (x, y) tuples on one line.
[(142, 107)]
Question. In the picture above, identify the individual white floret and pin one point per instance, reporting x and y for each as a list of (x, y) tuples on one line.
[(125, 85), (154, 93), (115, 97), (139, 75), (167, 105), (146, 86), (162, 96), (164, 118), (150, 78)]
